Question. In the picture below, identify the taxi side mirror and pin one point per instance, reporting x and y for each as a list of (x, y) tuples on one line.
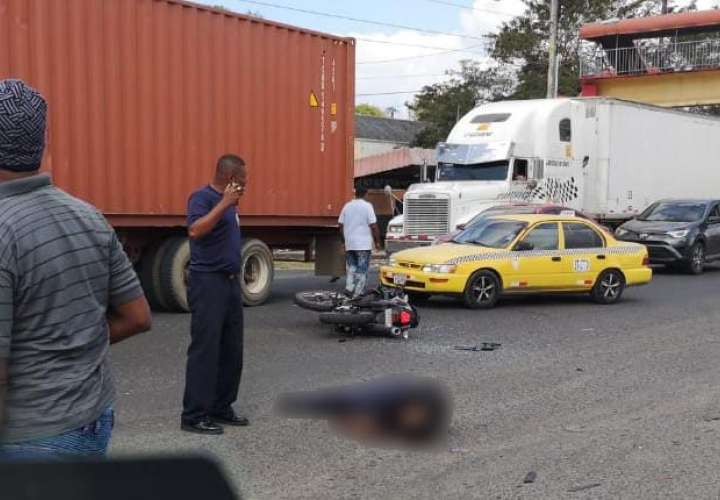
[(523, 246)]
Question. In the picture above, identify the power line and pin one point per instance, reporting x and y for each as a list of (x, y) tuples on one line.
[(383, 61), (389, 93), (390, 77), (469, 7), (388, 42), (357, 19)]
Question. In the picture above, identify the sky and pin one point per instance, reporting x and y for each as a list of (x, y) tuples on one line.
[(399, 60)]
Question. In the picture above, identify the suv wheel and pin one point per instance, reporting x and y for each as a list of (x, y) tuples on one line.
[(696, 259)]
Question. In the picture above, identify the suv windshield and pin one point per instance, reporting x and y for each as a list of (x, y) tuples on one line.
[(674, 211), (492, 171), (491, 233)]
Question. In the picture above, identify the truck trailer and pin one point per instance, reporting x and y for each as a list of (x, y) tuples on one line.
[(608, 158), (145, 95)]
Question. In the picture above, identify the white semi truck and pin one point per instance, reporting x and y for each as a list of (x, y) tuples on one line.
[(605, 157)]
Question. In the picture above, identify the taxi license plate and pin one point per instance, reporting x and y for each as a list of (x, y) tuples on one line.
[(400, 279)]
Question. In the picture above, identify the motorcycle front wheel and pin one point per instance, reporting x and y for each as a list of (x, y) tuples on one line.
[(318, 300)]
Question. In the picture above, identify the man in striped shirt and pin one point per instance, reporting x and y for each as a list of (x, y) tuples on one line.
[(67, 291)]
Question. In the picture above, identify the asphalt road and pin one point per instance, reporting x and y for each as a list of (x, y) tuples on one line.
[(617, 401)]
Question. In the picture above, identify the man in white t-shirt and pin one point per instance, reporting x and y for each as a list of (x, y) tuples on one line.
[(358, 226)]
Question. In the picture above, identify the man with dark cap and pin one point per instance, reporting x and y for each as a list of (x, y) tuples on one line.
[(215, 355), (67, 291)]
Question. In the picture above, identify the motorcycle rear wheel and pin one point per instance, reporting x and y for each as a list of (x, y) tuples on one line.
[(347, 318)]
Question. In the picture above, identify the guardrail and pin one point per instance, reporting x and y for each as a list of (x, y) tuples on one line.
[(670, 57)]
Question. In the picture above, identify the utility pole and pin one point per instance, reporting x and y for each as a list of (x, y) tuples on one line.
[(664, 6), (552, 50)]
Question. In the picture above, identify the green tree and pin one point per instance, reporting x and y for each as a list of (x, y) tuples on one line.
[(442, 104), (523, 41), (369, 110)]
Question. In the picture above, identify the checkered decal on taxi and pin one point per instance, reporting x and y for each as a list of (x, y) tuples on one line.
[(627, 250)]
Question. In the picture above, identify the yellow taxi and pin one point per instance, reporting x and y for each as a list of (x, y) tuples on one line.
[(521, 254)]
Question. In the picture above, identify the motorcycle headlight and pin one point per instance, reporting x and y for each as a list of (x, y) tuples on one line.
[(680, 233), (439, 268), (395, 229), (621, 232)]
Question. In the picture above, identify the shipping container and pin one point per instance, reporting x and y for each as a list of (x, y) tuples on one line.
[(145, 95)]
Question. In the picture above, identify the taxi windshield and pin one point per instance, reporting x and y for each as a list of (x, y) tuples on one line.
[(492, 233)]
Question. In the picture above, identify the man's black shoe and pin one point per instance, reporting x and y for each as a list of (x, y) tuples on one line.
[(230, 418), (204, 426)]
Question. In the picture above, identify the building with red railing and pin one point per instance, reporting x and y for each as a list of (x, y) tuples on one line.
[(667, 60)]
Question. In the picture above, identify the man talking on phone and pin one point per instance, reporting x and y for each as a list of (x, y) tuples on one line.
[(215, 355)]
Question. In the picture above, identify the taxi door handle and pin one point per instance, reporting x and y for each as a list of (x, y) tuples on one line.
[(601, 257), (556, 259)]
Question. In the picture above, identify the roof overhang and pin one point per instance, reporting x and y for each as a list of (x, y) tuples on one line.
[(393, 160), (653, 26)]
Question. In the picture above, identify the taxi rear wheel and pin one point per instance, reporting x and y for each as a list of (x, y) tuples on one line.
[(482, 290), (609, 287)]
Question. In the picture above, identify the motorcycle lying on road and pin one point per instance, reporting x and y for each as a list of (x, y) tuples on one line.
[(385, 311)]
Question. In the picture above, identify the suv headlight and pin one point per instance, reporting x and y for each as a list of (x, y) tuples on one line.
[(621, 232), (680, 233), (395, 229), (439, 268)]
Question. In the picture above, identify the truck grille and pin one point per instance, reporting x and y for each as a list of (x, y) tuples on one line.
[(427, 216)]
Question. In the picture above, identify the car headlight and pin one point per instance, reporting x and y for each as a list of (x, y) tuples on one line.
[(439, 268), (395, 229), (392, 261), (680, 233), (621, 232)]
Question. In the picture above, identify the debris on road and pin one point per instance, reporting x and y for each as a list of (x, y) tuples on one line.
[(486, 346), (590, 486), (579, 370), (530, 478), (714, 417), (574, 428)]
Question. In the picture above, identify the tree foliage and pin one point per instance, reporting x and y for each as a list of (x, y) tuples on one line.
[(442, 104), (520, 50), (369, 110), (523, 41)]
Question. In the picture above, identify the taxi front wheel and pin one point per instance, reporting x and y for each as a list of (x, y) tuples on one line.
[(482, 290), (609, 287)]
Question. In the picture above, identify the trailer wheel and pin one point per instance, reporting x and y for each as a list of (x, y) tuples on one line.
[(173, 273), (257, 271), (149, 273)]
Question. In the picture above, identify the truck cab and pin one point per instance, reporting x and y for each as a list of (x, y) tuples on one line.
[(498, 153)]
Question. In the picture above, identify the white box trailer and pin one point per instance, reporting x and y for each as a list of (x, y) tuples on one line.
[(638, 154), (605, 157)]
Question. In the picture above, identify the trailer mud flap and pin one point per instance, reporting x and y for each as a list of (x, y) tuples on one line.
[(329, 256)]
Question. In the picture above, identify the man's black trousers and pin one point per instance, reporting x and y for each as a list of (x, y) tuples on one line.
[(215, 355)]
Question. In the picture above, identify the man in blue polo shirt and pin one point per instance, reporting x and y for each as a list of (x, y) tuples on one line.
[(215, 355)]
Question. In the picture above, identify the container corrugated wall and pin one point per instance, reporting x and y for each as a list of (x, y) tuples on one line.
[(145, 95)]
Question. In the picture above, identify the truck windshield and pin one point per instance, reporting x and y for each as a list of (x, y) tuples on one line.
[(674, 211), (492, 171), (492, 233)]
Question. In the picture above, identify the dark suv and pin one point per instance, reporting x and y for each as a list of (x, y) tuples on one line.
[(677, 232)]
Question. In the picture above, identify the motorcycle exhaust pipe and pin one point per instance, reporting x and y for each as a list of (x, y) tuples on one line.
[(395, 331)]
